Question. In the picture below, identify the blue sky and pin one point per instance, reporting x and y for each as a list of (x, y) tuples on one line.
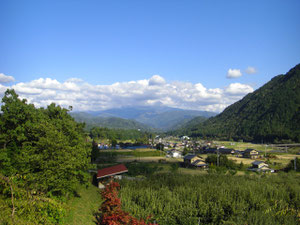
[(105, 42)]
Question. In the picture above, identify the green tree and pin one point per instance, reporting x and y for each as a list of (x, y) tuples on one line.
[(45, 146)]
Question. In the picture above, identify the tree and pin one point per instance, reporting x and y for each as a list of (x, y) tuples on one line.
[(46, 146), (160, 146), (112, 213)]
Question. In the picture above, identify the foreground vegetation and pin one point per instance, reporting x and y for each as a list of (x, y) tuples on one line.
[(214, 198), (43, 158)]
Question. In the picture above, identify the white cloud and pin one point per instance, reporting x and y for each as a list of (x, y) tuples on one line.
[(154, 91), (250, 70), (233, 73), (238, 89), (156, 80), (6, 79)]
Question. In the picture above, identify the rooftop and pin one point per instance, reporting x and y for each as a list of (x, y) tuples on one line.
[(113, 170)]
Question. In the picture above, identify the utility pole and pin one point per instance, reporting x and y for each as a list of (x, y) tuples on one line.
[(265, 151), (218, 157)]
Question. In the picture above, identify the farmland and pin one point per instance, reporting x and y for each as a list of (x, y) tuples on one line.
[(186, 199)]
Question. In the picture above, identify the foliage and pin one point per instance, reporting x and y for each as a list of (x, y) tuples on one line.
[(291, 165), (214, 199), (212, 159), (119, 134), (160, 146), (271, 113), (174, 167), (47, 152), (111, 209), (18, 205)]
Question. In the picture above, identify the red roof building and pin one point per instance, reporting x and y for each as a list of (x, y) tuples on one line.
[(111, 171)]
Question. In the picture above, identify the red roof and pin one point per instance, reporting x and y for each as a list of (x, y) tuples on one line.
[(113, 170)]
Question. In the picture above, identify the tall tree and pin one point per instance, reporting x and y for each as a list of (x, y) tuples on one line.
[(46, 146)]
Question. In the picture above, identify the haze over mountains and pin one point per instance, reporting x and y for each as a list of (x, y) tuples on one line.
[(144, 118), (270, 113)]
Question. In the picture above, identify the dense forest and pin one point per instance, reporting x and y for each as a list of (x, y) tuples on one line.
[(176, 199), (269, 114), (43, 157)]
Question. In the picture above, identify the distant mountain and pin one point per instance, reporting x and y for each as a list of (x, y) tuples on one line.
[(109, 122), (145, 118), (270, 113), (163, 118)]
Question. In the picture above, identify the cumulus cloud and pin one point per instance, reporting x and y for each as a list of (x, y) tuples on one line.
[(148, 92), (238, 89), (233, 73), (156, 80), (6, 79), (250, 70)]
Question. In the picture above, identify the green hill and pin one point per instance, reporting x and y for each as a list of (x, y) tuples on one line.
[(270, 113), (158, 117), (109, 122)]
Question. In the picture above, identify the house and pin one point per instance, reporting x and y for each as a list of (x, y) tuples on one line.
[(238, 154), (185, 138), (200, 164), (260, 166), (113, 171), (250, 153), (193, 160), (227, 151), (210, 151), (175, 154)]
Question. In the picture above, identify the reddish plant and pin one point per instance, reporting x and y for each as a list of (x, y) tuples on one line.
[(112, 213)]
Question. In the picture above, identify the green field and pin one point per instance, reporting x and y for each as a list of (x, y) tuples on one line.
[(184, 199)]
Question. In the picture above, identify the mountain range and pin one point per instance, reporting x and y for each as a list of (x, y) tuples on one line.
[(270, 113), (144, 118)]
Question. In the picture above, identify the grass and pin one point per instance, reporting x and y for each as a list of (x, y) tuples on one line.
[(80, 210)]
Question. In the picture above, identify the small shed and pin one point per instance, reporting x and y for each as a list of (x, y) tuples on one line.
[(113, 171)]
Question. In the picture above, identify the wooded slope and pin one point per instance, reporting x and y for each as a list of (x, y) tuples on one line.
[(270, 113)]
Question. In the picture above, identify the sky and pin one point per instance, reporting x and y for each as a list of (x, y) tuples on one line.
[(192, 54)]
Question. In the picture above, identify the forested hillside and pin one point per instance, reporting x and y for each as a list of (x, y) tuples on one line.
[(144, 118), (43, 157), (271, 113), (108, 122)]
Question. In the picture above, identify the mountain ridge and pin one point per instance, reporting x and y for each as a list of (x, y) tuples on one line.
[(270, 113), (155, 118)]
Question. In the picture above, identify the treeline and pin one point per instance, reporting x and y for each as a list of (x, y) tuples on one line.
[(214, 199), (43, 157), (120, 134)]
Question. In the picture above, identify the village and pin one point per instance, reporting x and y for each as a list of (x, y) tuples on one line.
[(190, 157)]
